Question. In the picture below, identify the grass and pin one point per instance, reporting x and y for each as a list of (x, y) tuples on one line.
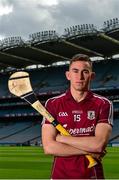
[(31, 163), (24, 163), (111, 163)]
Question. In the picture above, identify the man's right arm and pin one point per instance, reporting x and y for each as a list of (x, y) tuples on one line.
[(52, 147)]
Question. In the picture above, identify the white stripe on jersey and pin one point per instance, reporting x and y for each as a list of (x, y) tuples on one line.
[(55, 97), (110, 117)]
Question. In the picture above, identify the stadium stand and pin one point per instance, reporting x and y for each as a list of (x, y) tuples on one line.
[(106, 74), (20, 134), (50, 54)]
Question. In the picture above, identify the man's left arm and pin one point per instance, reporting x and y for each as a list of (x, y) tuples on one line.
[(95, 143)]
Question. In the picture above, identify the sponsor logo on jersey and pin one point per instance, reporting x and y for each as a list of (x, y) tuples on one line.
[(61, 114), (77, 112), (82, 131), (64, 125), (91, 115)]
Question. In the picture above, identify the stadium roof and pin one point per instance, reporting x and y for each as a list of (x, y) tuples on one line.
[(47, 47)]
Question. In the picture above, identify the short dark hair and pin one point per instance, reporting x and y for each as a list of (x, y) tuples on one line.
[(80, 57)]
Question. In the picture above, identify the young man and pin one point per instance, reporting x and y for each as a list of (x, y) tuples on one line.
[(86, 116)]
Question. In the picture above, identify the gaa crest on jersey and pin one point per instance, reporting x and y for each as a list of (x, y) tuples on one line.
[(91, 115), (63, 114)]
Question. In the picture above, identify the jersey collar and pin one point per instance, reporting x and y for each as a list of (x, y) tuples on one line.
[(70, 97)]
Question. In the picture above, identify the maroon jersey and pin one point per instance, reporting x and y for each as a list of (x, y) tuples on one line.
[(80, 119)]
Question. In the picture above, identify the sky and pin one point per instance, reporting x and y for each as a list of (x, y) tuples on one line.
[(24, 17)]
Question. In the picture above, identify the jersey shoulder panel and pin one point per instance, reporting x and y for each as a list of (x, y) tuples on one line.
[(55, 99), (101, 99)]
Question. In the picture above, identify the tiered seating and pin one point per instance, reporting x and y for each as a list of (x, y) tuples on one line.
[(49, 81), (53, 78), (115, 130), (106, 74), (12, 127), (4, 84), (19, 132), (115, 141), (17, 111)]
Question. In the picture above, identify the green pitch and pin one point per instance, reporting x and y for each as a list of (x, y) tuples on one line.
[(31, 163), (111, 163)]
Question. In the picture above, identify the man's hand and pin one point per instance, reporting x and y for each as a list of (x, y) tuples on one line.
[(99, 156)]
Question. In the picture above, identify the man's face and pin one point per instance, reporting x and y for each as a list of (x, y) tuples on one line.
[(80, 75)]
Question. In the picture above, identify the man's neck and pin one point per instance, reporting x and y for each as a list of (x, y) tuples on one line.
[(78, 95)]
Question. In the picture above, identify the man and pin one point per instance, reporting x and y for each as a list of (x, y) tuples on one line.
[(86, 116)]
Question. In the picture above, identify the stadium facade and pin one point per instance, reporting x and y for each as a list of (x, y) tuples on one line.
[(19, 123)]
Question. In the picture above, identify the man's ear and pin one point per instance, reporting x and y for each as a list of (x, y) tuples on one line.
[(93, 75), (67, 75)]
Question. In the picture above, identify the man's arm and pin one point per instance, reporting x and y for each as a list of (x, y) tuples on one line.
[(52, 147), (95, 143)]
